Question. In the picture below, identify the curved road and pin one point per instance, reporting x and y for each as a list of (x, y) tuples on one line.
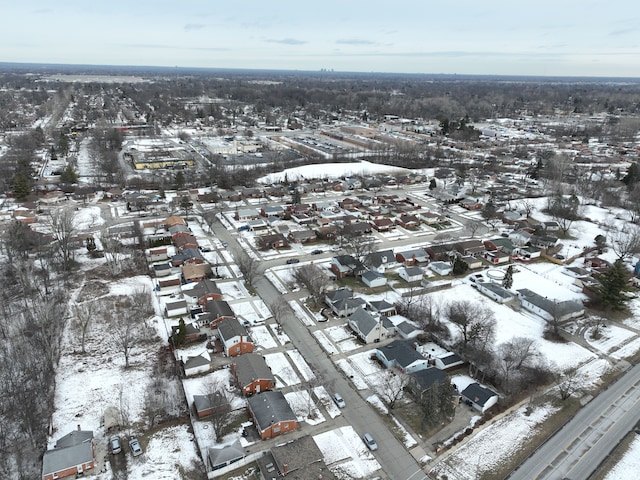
[(576, 451)]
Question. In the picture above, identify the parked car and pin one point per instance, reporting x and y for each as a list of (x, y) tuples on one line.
[(292, 260), (316, 252), (339, 400), (135, 447), (114, 443), (369, 441)]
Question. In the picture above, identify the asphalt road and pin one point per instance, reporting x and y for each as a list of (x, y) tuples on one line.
[(394, 458), (397, 463), (576, 451)]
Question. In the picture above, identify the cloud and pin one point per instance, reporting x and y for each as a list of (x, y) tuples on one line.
[(355, 41), (623, 31), (174, 47), (287, 41), (193, 26)]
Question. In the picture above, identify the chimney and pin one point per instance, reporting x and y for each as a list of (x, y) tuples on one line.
[(78, 427), (285, 467)]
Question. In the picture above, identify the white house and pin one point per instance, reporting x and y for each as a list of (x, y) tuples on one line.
[(549, 309), (368, 328), (197, 365), (401, 355), (480, 398), (175, 309), (441, 268), (373, 279), (411, 274), (494, 291), (448, 360)]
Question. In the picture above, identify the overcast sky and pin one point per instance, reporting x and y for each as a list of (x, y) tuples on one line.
[(541, 37)]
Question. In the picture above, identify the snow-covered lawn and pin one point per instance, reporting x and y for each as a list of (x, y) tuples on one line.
[(281, 369), (486, 451), (326, 401), (629, 465), (338, 333), (325, 343), (349, 371), (302, 313), (349, 345), (302, 366), (262, 337), (346, 454), (303, 406), (282, 337), (611, 338)]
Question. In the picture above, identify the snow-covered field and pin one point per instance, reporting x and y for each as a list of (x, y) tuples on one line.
[(487, 449), (628, 467)]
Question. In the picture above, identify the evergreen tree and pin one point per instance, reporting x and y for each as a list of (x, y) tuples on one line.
[(179, 181), (459, 266), (63, 144), (180, 335), (68, 175), (432, 184), (633, 175), (507, 282), (21, 187), (613, 286)]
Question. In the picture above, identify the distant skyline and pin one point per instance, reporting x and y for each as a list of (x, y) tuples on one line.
[(495, 37)]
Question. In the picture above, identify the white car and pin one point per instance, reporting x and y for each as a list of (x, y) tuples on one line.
[(135, 447), (339, 400)]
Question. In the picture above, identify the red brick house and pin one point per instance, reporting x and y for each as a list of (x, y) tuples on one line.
[(272, 414), (72, 455), (234, 338), (410, 222), (252, 374), (216, 312), (383, 224)]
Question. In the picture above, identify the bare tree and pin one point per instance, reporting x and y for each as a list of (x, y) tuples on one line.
[(124, 332), (219, 398), (528, 206), (474, 321), (567, 382), (279, 308), (249, 266), (61, 225), (625, 241), (472, 226), (313, 278), (84, 314), (391, 387), (114, 252), (513, 355)]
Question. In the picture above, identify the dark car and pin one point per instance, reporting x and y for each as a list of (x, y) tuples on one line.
[(292, 260), (316, 252)]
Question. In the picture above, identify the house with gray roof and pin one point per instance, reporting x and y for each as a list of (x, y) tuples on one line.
[(367, 327), (481, 398), (495, 291), (234, 337), (380, 261), (561, 311), (271, 414), (400, 354), (73, 454), (203, 291), (252, 374), (422, 381), (220, 457)]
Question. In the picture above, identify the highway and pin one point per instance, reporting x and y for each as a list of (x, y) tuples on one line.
[(576, 451)]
